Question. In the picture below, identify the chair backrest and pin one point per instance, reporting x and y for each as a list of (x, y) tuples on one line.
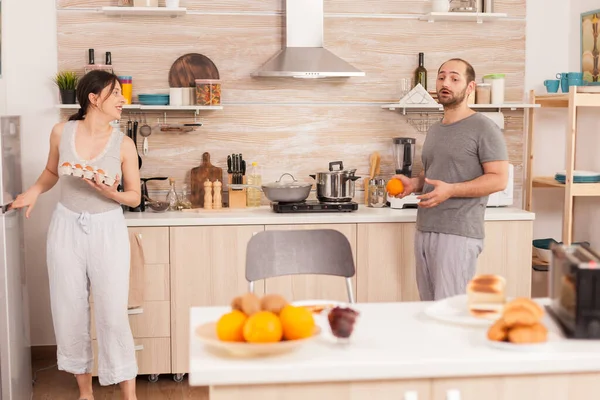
[(277, 253)]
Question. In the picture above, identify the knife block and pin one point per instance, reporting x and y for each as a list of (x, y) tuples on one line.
[(237, 197)]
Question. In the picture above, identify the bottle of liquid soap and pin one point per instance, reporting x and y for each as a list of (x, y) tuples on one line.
[(253, 195)]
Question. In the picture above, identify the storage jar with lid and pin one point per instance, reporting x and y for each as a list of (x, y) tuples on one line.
[(497, 82), (126, 88), (208, 92), (377, 193), (463, 6), (483, 93)]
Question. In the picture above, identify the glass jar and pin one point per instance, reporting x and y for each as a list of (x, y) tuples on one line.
[(125, 3), (377, 193), (126, 88), (184, 201), (208, 92), (463, 6), (483, 93)]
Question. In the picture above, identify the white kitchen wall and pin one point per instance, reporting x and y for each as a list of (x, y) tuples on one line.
[(553, 45), (28, 63)]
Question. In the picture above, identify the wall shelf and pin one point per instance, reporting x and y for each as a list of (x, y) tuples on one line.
[(154, 108), (438, 107), (462, 16), (577, 189), (156, 11)]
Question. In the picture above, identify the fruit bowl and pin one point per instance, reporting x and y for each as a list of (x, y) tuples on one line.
[(207, 334)]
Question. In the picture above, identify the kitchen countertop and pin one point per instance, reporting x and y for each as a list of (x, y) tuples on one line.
[(265, 216), (390, 341)]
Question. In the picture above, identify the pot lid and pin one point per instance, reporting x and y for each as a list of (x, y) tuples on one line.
[(278, 184), (340, 171)]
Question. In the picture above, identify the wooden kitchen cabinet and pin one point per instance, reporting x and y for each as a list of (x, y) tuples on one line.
[(151, 323), (507, 252), (305, 287), (207, 269), (386, 262), (376, 390), (524, 387)]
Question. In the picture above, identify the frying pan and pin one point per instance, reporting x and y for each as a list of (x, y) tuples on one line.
[(283, 192)]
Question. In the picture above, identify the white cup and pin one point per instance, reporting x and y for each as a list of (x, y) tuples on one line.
[(176, 96), (172, 3), (440, 5)]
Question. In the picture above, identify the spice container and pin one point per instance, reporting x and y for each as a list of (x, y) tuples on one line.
[(483, 93), (377, 193), (497, 82), (125, 3), (126, 88), (208, 92)]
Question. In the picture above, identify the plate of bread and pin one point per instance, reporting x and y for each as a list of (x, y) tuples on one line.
[(480, 306), (519, 327)]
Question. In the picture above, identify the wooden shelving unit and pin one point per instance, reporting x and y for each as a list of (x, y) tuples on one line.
[(462, 16), (583, 96)]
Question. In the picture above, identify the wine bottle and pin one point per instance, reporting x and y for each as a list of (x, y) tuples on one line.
[(421, 72)]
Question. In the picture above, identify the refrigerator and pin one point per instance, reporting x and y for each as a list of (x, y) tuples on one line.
[(15, 343)]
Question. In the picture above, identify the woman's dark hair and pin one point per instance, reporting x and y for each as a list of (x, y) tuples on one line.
[(93, 82)]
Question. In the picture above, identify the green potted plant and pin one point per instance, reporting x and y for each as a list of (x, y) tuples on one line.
[(67, 83)]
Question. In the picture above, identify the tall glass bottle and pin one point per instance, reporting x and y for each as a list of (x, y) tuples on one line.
[(172, 197), (421, 72)]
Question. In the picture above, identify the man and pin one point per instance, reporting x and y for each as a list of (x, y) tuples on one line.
[(464, 160)]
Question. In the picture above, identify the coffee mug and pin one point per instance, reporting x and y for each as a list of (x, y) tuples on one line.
[(564, 81), (552, 85)]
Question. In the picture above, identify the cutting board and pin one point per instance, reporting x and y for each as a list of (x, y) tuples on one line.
[(199, 175), (189, 67)]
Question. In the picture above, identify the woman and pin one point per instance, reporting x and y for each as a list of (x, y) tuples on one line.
[(88, 243)]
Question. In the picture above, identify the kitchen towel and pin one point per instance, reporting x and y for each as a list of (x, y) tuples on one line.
[(136, 271)]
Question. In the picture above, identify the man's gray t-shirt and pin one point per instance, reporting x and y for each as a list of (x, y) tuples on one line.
[(454, 153)]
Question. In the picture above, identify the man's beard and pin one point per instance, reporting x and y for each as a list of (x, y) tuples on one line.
[(453, 100)]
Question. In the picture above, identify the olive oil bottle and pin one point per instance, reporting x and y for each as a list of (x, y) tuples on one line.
[(421, 72)]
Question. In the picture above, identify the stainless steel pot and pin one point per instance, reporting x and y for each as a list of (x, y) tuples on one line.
[(335, 186), (283, 192)]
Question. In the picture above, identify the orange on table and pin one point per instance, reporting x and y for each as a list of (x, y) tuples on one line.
[(230, 327), (394, 186), (263, 327), (297, 322)]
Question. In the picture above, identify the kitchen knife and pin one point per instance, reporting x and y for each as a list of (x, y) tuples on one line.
[(229, 164)]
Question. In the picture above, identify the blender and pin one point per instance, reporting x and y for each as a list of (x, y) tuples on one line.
[(404, 154)]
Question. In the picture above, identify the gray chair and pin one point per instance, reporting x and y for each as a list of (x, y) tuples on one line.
[(278, 253)]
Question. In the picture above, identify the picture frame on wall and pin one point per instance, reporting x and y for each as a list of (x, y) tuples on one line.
[(590, 47)]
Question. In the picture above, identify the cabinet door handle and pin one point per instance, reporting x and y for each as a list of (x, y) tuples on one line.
[(135, 311), (139, 347)]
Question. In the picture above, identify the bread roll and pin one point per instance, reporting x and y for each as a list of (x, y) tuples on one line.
[(536, 333), (486, 296)]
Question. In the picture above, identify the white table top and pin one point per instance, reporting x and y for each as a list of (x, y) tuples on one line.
[(390, 341), (265, 216)]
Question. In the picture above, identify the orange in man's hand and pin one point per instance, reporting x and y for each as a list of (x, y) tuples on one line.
[(394, 186)]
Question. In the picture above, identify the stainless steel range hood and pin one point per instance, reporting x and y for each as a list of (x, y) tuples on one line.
[(304, 55)]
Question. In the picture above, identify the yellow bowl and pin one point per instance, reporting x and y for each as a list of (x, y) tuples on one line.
[(207, 334)]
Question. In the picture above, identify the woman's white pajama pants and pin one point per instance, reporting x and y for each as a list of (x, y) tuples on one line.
[(91, 250)]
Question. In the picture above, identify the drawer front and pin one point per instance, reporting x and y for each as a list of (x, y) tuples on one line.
[(156, 283), (155, 242), (153, 356), (153, 320)]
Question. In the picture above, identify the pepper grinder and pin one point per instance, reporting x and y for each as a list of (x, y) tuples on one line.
[(217, 203), (208, 194)]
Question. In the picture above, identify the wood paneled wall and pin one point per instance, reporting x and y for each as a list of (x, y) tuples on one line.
[(290, 125)]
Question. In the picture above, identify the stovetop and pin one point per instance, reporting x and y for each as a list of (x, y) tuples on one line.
[(309, 206)]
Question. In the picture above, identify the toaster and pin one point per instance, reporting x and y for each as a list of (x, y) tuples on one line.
[(575, 290)]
